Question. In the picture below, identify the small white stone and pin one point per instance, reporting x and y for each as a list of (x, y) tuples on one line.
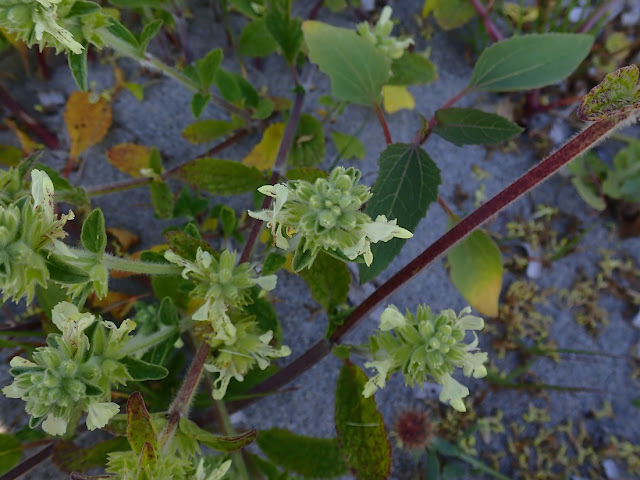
[(611, 469)]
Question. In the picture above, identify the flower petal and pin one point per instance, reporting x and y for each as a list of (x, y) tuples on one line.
[(54, 425), (100, 414)]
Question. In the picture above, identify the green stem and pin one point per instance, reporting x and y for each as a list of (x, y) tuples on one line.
[(141, 343), (169, 71), (227, 428), (134, 266), (83, 257)]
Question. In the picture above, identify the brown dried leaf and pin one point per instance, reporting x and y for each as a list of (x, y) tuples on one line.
[(125, 238), (87, 121), (27, 144), (129, 158), (117, 303)]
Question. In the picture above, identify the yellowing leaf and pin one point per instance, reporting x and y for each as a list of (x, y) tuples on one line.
[(264, 154), (397, 97), (476, 271), (87, 122), (27, 144), (129, 158)]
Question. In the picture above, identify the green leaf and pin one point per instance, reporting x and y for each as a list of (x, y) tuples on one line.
[(476, 271), (451, 450), (78, 67), (308, 145), (155, 161), (228, 220), (432, 468), (187, 245), (140, 430), (452, 14), (61, 271), (529, 61), (149, 31), (358, 70), (94, 235), (615, 94), (589, 193), (81, 8), (302, 257), (198, 103), (10, 452), (221, 177), (636, 402), (265, 315), (407, 184), (285, 30), (49, 297), (348, 147), (172, 286), (264, 109), (207, 68), (273, 263), (123, 39), (10, 156), (162, 199), (69, 457), (207, 130), (189, 205), (470, 126), (360, 427), (142, 371), (135, 3), (256, 41), (329, 280), (219, 443), (306, 173), (307, 456), (412, 69), (235, 88)]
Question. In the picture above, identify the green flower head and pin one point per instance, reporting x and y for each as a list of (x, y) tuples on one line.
[(380, 35), (235, 360), (222, 284), (325, 215), (427, 345), (27, 228), (72, 374)]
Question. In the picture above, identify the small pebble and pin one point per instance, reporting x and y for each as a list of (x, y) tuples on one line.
[(610, 469)]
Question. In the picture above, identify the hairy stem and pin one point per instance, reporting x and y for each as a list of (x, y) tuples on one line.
[(383, 124), (489, 26), (139, 182), (135, 266), (183, 399), (575, 147), (29, 463)]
